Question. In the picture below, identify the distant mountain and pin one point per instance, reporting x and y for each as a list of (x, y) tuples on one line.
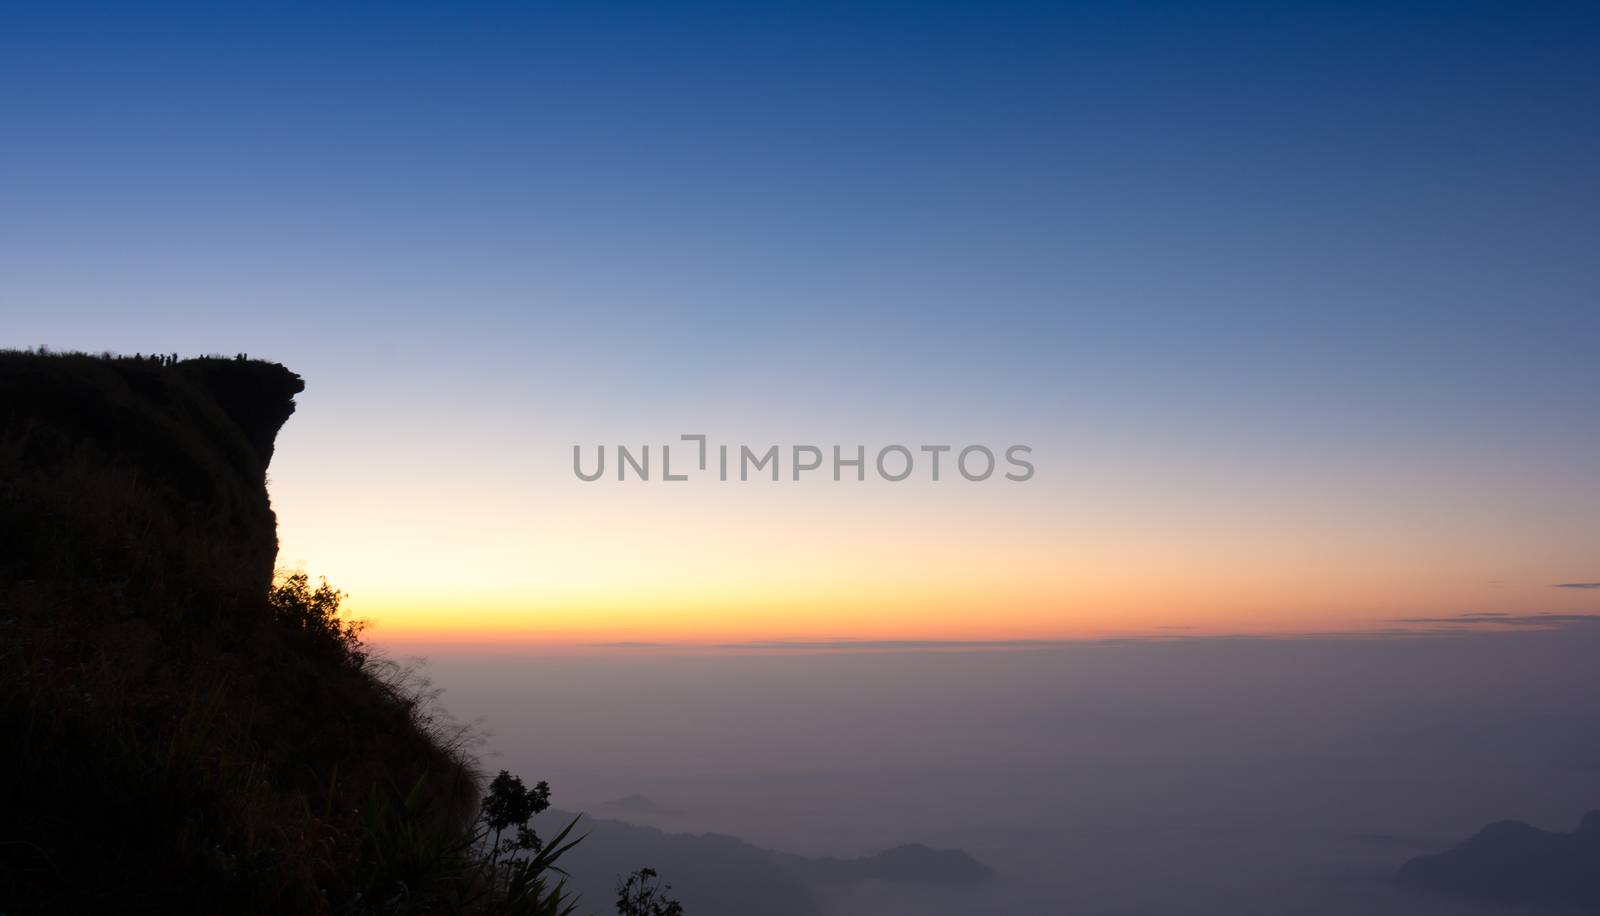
[(717, 875), (1511, 862), (635, 805), (909, 864)]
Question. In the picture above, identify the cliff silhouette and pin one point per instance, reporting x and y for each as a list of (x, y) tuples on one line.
[(179, 731), (96, 450)]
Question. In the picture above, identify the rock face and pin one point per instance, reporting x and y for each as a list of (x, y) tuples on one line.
[(1512, 862), (123, 477)]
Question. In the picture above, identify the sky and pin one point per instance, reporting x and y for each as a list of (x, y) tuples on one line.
[(1294, 304)]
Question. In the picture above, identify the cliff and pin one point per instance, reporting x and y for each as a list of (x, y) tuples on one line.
[(140, 477), (177, 733)]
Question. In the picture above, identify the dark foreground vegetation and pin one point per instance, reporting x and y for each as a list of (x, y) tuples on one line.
[(182, 731)]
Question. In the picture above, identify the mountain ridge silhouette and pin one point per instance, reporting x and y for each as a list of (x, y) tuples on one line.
[(1512, 862), (716, 874)]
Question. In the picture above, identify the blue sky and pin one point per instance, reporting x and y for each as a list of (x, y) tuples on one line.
[(1308, 241)]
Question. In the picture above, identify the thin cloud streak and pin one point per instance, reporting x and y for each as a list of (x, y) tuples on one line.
[(1552, 621), (881, 644), (1474, 624)]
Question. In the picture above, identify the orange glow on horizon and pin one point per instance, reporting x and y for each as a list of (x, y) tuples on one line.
[(1119, 547)]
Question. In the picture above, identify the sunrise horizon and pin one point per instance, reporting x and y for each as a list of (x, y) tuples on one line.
[(800, 459)]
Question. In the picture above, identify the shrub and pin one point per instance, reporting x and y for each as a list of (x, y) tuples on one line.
[(643, 894), (315, 613)]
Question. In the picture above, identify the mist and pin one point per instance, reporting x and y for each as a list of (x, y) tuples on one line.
[(1203, 775)]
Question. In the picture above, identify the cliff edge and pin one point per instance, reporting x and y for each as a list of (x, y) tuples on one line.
[(140, 476)]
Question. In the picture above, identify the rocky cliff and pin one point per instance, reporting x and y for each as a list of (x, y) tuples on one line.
[(139, 479)]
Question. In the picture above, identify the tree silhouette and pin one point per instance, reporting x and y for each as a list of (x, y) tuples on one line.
[(643, 894), (511, 804)]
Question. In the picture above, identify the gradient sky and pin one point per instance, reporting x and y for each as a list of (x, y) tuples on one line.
[(1297, 304)]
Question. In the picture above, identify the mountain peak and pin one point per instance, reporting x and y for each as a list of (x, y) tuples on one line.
[(1513, 862)]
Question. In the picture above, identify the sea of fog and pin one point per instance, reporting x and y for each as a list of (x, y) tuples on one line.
[(1237, 776)]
